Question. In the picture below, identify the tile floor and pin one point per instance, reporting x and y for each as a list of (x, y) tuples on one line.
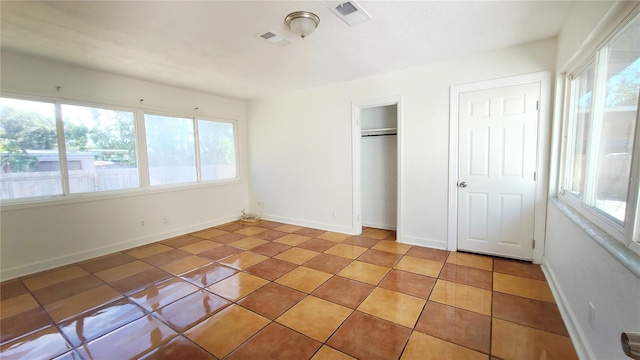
[(275, 291)]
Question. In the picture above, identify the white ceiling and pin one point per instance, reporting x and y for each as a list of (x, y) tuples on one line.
[(211, 46)]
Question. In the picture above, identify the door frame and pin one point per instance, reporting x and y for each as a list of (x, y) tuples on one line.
[(356, 110), (542, 153)]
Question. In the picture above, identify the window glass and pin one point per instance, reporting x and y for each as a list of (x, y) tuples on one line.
[(622, 75), (171, 149), (29, 149), (101, 149), (580, 130), (217, 150)]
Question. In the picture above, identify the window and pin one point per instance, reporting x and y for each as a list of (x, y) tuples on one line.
[(28, 149), (217, 150), (601, 131)]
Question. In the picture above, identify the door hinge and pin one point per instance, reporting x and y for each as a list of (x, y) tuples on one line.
[(537, 105), (533, 244), (535, 176)]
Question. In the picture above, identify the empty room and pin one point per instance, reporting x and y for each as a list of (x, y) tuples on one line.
[(319, 180)]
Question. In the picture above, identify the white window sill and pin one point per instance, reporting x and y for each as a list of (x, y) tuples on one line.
[(619, 252)]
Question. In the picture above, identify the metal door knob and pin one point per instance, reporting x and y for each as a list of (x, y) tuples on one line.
[(463, 184)]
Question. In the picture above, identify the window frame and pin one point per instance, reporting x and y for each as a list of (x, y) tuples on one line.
[(627, 233), (144, 187)]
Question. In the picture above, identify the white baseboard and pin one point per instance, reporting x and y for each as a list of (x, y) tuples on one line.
[(34, 267), (418, 241), (379, 226), (309, 224), (575, 332)]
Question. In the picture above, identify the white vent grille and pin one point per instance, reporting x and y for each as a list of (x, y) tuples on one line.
[(350, 12), (274, 38)]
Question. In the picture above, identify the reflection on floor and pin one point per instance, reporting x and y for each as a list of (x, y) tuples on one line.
[(275, 291)]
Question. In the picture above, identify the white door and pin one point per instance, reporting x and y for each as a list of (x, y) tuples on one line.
[(496, 174)]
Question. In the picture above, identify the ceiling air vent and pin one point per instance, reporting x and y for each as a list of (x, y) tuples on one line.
[(350, 12), (274, 38)]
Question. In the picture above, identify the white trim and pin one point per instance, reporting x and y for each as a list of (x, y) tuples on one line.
[(309, 224), (32, 268), (424, 242), (356, 108), (542, 165)]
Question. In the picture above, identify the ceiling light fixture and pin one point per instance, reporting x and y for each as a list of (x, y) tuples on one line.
[(302, 23)]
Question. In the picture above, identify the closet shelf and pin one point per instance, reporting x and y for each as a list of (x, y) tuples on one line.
[(379, 132)]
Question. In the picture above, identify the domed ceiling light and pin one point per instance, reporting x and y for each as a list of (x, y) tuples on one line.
[(302, 23)]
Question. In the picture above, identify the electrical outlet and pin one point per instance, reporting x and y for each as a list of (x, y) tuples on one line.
[(333, 213), (592, 315), (142, 224), (165, 219)]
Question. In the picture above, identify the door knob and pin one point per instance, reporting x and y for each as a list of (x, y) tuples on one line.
[(462, 184)]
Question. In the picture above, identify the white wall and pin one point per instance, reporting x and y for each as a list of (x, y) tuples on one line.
[(300, 143), (40, 236), (580, 270)]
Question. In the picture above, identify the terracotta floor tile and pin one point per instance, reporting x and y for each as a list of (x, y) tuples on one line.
[(269, 224), (297, 256), (208, 275), (122, 271), (270, 249), (378, 234), (185, 265), (181, 241), (419, 266), (392, 246), (105, 262), (17, 305), (408, 283), (332, 236), (166, 257), (318, 245), (52, 277), (382, 339), (243, 260), (209, 233), (237, 286), (248, 243), (66, 289), (139, 281), (535, 313), (271, 269), (223, 332), (327, 353), (129, 341), (292, 239), (250, 230), (227, 238), (428, 253), (12, 288), (162, 294), (513, 341), (518, 268), (276, 342), (272, 300), (178, 348), (328, 263), (288, 228), (23, 323), (97, 322), (365, 272), (148, 250), (467, 275), (471, 260), (304, 279), (192, 309), (425, 347), (270, 235), (233, 226), (381, 258), (463, 296), (361, 241), (200, 246), (343, 291), (77, 304), (315, 317), (525, 287), (462, 327), (391, 305), (44, 344), (346, 251), (220, 253), (309, 232)]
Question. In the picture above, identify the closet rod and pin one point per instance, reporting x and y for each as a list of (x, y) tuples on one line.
[(379, 135)]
